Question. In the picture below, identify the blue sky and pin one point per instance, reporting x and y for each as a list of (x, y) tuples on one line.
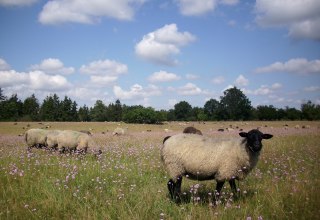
[(157, 53)]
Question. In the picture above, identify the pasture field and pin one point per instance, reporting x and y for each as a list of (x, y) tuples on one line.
[(128, 180)]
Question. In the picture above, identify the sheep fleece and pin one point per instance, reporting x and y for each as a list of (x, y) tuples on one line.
[(73, 139), (36, 136), (206, 158)]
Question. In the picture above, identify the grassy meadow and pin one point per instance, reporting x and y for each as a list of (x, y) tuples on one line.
[(128, 180)]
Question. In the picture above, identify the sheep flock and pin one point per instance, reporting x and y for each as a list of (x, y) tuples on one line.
[(188, 154)]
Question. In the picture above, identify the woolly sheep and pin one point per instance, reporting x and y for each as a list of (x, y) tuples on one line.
[(192, 130), (69, 140), (120, 131), (36, 137), (204, 158)]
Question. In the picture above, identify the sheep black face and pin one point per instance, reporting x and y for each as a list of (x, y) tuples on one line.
[(254, 138)]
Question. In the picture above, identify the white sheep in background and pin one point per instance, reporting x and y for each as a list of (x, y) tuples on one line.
[(69, 140), (36, 137), (204, 158), (120, 131)]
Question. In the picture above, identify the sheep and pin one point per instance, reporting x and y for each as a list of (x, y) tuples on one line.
[(192, 130), (204, 158), (36, 137), (120, 131), (69, 140)]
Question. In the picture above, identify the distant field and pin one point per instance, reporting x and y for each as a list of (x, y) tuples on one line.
[(128, 180)]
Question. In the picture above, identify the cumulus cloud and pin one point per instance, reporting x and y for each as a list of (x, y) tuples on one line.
[(297, 66), (197, 8), (17, 2), (136, 92), (160, 45), (87, 12), (264, 90), (218, 80), (190, 89), (53, 66), (241, 81), (163, 76), (104, 67), (301, 17), (104, 72), (312, 89), (4, 65), (34, 80)]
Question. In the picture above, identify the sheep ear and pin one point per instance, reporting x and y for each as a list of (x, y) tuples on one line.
[(267, 136), (243, 134)]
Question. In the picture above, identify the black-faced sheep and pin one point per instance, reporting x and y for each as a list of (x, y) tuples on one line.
[(192, 130), (203, 158)]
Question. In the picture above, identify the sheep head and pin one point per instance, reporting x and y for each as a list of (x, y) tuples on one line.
[(254, 139)]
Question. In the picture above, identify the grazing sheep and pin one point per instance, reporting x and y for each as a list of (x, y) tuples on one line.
[(36, 137), (203, 158), (192, 130), (120, 131), (52, 139), (69, 140)]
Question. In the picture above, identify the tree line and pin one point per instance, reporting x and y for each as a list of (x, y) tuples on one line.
[(233, 105)]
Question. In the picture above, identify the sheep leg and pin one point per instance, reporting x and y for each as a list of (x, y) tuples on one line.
[(233, 186), (175, 188), (219, 187)]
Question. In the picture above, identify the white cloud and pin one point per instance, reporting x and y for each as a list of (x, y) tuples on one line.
[(11, 78), (87, 12), (34, 80), (191, 77), (53, 66), (312, 89), (17, 2), (136, 92), (264, 90), (190, 89), (301, 17), (297, 66), (218, 80), (41, 81), (4, 65), (241, 81), (159, 46), (104, 67), (103, 80), (197, 8), (163, 76)]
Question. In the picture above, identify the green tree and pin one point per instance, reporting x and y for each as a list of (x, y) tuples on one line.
[(212, 109), (2, 96), (11, 109), (98, 112), (235, 105), (68, 110), (31, 108), (141, 115), (84, 113), (183, 111), (310, 111), (292, 113), (114, 111), (265, 112), (50, 109)]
